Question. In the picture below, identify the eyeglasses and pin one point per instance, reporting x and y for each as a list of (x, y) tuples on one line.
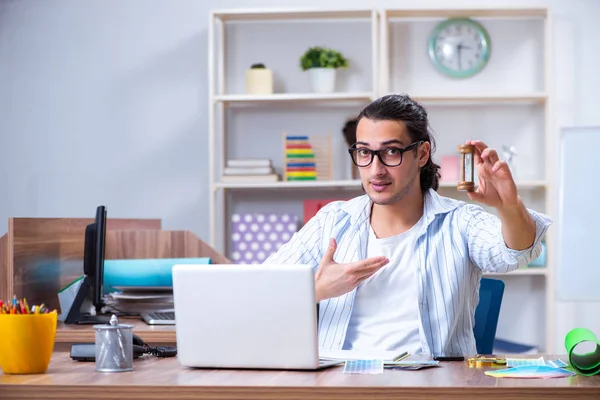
[(389, 156)]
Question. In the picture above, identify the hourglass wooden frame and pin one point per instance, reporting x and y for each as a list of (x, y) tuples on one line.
[(467, 168)]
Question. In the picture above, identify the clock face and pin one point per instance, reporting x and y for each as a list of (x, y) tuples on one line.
[(459, 47)]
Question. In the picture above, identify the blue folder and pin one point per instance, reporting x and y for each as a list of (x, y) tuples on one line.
[(144, 272)]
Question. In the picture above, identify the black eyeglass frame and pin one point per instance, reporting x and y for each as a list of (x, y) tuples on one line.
[(402, 150)]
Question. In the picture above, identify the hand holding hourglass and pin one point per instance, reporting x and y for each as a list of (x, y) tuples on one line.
[(496, 187)]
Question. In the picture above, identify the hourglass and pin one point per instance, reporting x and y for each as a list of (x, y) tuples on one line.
[(467, 170)]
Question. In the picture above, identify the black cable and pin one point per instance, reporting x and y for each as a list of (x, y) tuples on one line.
[(161, 351)]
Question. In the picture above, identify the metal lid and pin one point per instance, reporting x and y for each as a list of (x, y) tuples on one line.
[(113, 324)]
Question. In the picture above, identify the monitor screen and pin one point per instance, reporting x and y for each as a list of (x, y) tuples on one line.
[(93, 264), (92, 286)]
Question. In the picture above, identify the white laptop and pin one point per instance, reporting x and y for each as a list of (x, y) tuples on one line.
[(247, 316)]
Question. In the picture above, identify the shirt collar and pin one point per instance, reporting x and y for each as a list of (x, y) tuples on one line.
[(359, 208)]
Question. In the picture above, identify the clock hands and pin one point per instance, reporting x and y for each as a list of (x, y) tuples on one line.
[(460, 48)]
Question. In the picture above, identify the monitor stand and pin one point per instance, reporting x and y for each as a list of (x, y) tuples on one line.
[(72, 306), (88, 319)]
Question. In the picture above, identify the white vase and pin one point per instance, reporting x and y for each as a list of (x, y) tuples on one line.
[(322, 80)]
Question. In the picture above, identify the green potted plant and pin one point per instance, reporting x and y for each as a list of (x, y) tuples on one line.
[(259, 80), (322, 64)]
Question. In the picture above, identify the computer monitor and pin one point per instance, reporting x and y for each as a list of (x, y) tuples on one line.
[(90, 292), (93, 262)]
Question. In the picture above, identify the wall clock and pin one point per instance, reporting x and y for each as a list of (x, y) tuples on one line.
[(459, 47)]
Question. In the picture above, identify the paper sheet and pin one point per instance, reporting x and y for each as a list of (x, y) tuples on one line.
[(530, 372), (526, 362), (346, 355), (523, 362), (66, 296)]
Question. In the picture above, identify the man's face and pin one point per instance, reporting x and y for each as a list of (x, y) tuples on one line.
[(383, 184)]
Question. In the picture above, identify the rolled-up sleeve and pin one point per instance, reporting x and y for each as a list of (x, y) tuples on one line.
[(487, 248)]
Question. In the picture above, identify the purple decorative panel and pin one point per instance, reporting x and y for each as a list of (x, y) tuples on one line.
[(256, 236)]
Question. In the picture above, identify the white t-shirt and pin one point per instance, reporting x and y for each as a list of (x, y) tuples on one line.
[(385, 314)]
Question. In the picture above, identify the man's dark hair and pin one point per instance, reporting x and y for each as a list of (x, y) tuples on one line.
[(349, 131), (400, 107)]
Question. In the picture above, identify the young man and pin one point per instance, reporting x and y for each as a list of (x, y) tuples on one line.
[(399, 267)]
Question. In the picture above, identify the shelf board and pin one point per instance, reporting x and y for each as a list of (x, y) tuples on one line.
[(527, 98), (532, 98), (337, 184), (502, 12), (294, 97), (290, 14), (531, 271)]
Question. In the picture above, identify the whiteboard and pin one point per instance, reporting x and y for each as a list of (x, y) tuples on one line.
[(578, 266)]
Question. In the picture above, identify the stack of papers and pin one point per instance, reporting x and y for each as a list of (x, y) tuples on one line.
[(136, 300)]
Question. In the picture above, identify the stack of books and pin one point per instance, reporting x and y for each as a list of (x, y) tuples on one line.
[(139, 299), (249, 170)]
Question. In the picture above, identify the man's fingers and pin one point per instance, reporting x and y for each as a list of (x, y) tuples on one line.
[(370, 264), (475, 196), (478, 144), (331, 249), (370, 270), (479, 149), (500, 164), (477, 156), (490, 155)]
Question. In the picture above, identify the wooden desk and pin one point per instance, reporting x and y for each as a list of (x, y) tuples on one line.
[(154, 378), (153, 334)]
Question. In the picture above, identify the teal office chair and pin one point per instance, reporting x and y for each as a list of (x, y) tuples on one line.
[(487, 313)]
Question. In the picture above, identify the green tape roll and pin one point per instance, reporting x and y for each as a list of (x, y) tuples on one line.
[(587, 364)]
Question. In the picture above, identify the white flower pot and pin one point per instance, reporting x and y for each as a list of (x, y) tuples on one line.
[(322, 80)]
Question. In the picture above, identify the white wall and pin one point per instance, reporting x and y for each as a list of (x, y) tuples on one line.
[(123, 85)]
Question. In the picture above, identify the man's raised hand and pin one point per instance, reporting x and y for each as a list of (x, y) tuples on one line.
[(333, 279)]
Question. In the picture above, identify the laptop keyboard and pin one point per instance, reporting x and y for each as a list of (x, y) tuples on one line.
[(162, 316)]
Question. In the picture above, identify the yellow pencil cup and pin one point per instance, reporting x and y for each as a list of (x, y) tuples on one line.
[(26, 342)]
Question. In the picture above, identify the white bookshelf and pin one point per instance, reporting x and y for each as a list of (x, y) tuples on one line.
[(515, 92), (474, 108), (531, 98), (223, 98)]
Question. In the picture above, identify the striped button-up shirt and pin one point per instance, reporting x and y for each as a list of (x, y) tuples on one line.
[(457, 243)]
